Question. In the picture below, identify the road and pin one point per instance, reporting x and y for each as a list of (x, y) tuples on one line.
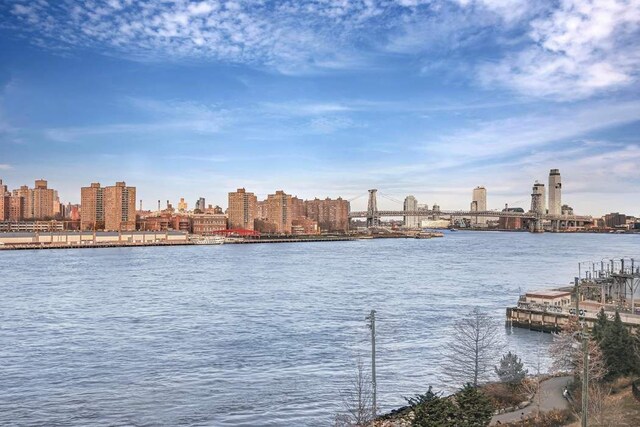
[(550, 398)]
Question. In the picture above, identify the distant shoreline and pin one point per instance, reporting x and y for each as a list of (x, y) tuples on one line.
[(52, 246)]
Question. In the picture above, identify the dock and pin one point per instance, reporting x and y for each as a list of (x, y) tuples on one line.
[(291, 240), (611, 285)]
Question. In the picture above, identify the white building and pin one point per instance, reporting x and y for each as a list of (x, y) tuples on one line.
[(411, 204), (479, 203), (555, 192)]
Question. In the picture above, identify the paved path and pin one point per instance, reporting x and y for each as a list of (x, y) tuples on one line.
[(551, 398)]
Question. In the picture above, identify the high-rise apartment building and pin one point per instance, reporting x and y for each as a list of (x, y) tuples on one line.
[(182, 205), (200, 205), (92, 207), (555, 192), (479, 203), (279, 211), (331, 215), (411, 205), (297, 208), (119, 207), (16, 208), (4, 202), (39, 202), (242, 209), (43, 201)]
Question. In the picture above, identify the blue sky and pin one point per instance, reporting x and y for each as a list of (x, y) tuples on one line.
[(325, 98)]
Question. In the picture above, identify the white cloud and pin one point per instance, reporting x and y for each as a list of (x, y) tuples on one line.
[(516, 134), (305, 109), (582, 48), (291, 36)]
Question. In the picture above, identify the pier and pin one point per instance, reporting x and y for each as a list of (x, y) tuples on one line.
[(612, 285)]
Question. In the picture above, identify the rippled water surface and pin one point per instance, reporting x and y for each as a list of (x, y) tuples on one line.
[(254, 334)]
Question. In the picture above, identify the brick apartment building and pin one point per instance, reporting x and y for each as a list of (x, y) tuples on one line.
[(243, 209)]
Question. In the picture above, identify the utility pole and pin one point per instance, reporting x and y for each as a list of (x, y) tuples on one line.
[(577, 291), (585, 356), (585, 376), (372, 325)]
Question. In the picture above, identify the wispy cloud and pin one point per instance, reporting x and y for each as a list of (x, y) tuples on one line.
[(293, 36), (584, 47), (164, 116), (288, 35), (493, 138), (5, 167), (305, 108)]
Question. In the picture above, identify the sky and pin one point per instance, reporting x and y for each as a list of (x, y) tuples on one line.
[(325, 98)]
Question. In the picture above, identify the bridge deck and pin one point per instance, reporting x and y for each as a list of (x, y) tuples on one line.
[(493, 214)]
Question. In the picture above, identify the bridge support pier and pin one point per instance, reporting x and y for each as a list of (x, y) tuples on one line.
[(535, 226), (373, 218)]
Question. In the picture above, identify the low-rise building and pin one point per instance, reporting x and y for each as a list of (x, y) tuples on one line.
[(549, 297), (304, 226), (31, 226), (208, 224)]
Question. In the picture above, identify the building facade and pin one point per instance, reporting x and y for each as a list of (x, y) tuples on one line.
[(555, 192), (119, 207), (208, 224), (16, 208), (297, 208), (411, 204), (200, 205), (92, 207), (479, 203), (332, 215), (42, 201), (614, 220), (304, 226), (182, 205), (38, 202), (279, 211), (242, 209), (5, 201)]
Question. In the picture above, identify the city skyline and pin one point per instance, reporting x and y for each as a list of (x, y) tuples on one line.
[(477, 196), (424, 98)]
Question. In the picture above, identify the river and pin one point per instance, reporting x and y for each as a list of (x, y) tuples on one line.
[(256, 335)]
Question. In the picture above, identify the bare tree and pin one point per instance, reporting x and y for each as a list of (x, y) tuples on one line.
[(566, 351), (357, 401), (604, 409), (470, 354)]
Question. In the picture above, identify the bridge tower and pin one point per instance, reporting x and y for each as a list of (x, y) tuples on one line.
[(373, 219), (537, 207)]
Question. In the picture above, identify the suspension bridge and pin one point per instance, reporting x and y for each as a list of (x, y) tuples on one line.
[(534, 219)]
